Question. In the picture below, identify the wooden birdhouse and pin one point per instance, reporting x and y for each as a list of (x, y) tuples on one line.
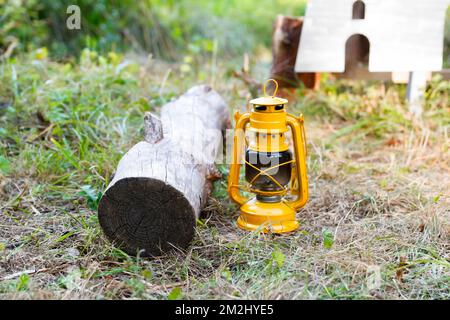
[(371, 38), (398, 35)]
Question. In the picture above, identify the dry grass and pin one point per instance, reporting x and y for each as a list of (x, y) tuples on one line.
[(377, 225)]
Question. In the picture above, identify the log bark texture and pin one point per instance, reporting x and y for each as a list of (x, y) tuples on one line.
[(162, 183)]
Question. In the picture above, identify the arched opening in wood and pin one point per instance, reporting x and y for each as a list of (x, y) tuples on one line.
[(357, 54), (359, 10)]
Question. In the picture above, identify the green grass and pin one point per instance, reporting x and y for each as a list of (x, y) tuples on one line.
[(378, 211)]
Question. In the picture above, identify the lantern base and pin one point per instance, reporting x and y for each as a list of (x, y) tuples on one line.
[(276, 217)]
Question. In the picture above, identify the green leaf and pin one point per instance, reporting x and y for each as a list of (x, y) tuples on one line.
[(41, 53), (278, 257), (4, 165), (22, 282), (91, 195), (437, 198), (65, 236), (226, 274), (200, 222), (137, 286), (175, 294), (383, 183), (147, 274), (328, 239), (66, 153)]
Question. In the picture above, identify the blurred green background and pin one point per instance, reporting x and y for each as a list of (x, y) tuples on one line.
[(167, 29)]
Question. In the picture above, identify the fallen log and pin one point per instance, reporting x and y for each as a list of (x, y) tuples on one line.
[(162, 183)]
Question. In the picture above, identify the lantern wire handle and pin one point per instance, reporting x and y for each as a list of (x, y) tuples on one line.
[(265, 87)]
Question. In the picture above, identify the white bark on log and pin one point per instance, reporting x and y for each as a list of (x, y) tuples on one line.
[(162, 184), (153, 131)]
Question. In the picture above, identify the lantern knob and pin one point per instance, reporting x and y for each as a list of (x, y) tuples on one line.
[(265, 87), (269, 100)]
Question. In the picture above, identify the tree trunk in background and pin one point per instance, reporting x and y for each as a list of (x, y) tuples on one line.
[(162, 184), (285, 42)]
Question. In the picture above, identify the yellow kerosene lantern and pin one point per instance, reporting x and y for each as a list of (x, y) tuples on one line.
[(278, 180)]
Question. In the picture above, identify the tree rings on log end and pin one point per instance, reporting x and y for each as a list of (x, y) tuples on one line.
[(146, 214)]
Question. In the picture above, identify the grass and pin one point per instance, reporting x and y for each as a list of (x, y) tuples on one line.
[(377, 225)]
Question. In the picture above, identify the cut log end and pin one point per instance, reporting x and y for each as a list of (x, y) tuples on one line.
[(146, 215)]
